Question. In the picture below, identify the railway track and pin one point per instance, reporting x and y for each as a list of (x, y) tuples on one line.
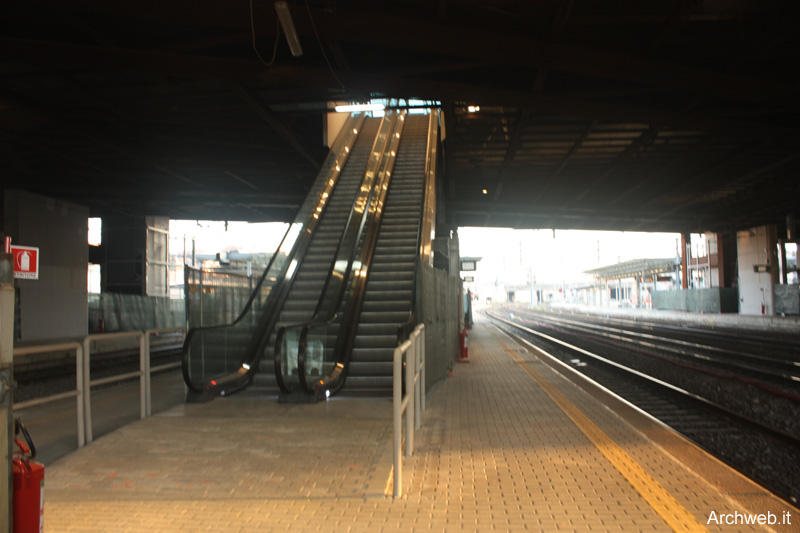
[(751, 424)]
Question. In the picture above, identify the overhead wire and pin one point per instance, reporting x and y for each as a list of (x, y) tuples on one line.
[(253, 33), (322, 48)]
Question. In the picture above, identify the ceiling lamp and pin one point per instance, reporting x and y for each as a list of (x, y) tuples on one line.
[(285, 18), (352, 108)]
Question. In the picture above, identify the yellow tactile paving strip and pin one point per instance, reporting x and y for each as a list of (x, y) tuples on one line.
[(662, 502), (495, 453)]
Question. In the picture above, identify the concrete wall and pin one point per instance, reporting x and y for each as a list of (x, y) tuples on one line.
[(757, 246), (714, 300), (54, 306), (787, 299), (438, 296)]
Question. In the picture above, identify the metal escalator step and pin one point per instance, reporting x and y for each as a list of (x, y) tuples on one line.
[(383, 296), (382, 269), (384, 317), (385, 305), (370, 369), (365, 328), (395, 284), (369, 383), (388, 253), (376, 341), (393, 258), (404, 242), (372, 354), (387, 281)]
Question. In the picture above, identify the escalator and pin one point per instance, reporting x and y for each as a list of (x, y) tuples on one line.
[(352, 257), (388, 300), (313, 271)]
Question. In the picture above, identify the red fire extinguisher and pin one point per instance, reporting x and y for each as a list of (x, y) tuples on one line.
[(463, 355), (28, 484)]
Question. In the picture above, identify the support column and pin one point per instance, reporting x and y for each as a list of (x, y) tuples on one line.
[(684, 261)]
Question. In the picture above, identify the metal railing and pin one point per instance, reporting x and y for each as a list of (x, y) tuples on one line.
[(412, 404), (84, 383), (78, 392)]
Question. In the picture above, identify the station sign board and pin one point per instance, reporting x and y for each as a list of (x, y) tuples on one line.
[(26, 262)]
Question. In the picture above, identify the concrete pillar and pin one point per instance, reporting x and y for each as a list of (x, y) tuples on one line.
[(721, 274), (122, 265), (758, 269), (685, 239), (455, 255), (639, 289), (54, 306)]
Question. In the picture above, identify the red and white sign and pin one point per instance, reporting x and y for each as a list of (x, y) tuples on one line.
[(26, 262)]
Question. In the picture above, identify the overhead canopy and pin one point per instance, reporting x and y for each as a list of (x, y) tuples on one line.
[(635, 268), (574, 114)]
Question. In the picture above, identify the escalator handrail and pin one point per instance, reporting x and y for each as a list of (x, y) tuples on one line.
[(405, 329), (334, 162), (245, 310), (371, 225), (372, 174)]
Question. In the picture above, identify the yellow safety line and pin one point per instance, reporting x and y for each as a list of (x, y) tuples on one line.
[(662, 502), (389, 489)]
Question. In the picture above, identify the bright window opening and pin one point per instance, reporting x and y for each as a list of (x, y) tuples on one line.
[(95, 231)]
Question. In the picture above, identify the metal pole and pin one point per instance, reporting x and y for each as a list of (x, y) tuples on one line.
[(6, 389), (148, 388), (417, 396), (410, 370), (423, 363), (87, 389), (144, 354), (397, 410)]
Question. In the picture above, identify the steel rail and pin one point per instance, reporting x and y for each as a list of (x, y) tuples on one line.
[(657, 382), (726, 363)]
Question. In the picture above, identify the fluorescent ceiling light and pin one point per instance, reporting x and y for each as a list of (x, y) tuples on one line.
[(351, 108), (285, 17)]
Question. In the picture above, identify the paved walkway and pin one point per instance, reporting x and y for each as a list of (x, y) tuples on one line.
[(500, 449)]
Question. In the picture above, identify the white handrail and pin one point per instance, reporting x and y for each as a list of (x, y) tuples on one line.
[(78, 392), (413, 403), (83, 379), (87, 378), (148, 371)]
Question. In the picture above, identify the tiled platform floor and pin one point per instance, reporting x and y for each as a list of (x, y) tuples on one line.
[(495, 452)]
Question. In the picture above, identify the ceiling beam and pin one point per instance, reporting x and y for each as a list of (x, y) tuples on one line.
[(61, 55), (645, 138), (97, 140), (279, 125), (488, 96), (508, 49), (392, 32), (574, 148), (513, 146)]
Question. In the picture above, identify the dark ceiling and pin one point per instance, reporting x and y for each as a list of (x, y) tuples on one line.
[(606, 114)]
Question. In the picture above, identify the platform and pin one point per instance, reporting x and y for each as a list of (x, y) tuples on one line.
[(506, 444)]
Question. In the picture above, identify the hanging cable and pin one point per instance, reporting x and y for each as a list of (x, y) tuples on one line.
[(253, 33), (322, 48)]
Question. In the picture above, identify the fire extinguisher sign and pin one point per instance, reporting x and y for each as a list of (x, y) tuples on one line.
[(26, 262)]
